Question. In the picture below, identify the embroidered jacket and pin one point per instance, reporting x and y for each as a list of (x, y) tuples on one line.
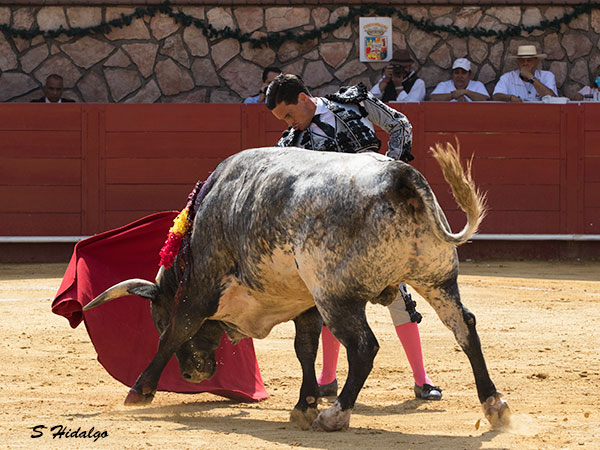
[(356, 110)]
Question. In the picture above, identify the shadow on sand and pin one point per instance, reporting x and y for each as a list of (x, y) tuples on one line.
[(219, 417)]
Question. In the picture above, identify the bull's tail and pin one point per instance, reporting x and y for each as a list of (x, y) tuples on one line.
[(466, 194)]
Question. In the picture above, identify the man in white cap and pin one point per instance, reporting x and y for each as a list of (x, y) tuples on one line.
[(460, 88), (527, 83)]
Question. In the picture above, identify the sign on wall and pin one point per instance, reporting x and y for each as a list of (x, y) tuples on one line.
[(375, 34)]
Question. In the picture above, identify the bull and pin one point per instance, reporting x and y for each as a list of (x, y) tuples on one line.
[(291, 234)]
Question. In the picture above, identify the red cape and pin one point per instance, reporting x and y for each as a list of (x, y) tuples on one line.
[(122, 331)]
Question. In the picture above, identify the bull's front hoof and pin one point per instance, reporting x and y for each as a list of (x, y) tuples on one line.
[(135, 398), (332, 419), (496, 411), (303, 419)]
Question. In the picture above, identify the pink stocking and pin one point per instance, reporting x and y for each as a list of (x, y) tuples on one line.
[(331, 349), (411, 341)]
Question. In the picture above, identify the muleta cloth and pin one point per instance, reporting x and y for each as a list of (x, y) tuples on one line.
[(122, 331)]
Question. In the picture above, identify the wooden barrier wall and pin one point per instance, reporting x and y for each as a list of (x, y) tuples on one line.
[(78, 169)]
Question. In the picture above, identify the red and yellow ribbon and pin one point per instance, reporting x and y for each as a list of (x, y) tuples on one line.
[(169, 251)]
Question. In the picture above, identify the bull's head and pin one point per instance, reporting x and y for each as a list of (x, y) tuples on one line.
[(196, 356)]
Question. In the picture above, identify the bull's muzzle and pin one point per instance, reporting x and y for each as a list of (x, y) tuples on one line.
[(197, 367)]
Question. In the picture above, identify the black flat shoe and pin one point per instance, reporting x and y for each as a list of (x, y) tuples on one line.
[(328, 390), (428, 392)]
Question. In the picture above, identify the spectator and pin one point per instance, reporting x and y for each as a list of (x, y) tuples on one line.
[(343, 122), (527, 83), (460, 88), (591, 92), (268, 75), (399, 82), (53, 90)]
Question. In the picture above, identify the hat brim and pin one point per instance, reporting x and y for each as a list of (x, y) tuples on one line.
[(540, 56)]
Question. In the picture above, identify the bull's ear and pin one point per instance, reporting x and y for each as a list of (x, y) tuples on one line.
[(149, 291)]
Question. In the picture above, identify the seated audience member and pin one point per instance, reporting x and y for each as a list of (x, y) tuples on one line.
[(399, 82), (527, 83), (460, 88), (53, 90), (268, 75), (591, 92)]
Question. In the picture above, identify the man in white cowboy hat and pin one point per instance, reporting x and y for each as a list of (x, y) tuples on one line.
[(527, 83), (460, 88)]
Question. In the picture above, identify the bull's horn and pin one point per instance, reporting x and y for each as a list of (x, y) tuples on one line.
[(122, 289), (160, 273)]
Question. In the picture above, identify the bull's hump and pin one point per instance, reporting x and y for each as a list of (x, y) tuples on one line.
[(292, 159)]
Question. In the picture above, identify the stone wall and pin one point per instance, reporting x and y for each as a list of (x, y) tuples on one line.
[(156, 60)]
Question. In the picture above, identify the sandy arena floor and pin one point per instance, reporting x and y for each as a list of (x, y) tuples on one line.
[(538, 324)]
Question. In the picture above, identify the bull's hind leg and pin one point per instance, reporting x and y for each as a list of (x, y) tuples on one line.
[(347, 322), (445, 299), (306, 344)]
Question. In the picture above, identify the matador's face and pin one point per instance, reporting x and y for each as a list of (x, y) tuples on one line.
[(298, 115)]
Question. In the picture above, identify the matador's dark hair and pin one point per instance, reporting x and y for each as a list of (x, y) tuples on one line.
[(285, 88)]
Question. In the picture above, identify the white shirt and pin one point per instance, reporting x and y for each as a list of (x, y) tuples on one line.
[(446, 87), (416, 93), (511, 84), (587, 90)]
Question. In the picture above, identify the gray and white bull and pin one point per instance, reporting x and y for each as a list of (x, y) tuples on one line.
[(291, 234)]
